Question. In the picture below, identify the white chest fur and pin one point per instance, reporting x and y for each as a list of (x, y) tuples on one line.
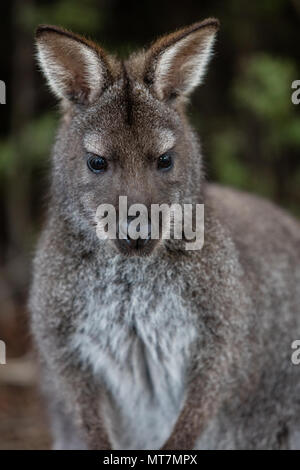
[(138, 346)]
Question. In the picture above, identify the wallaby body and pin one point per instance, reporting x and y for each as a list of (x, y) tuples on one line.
[(171, 349)]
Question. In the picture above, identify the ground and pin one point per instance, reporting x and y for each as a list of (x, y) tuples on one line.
[(23, 422)]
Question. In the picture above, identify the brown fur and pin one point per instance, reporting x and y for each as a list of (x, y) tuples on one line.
[(100, 315)]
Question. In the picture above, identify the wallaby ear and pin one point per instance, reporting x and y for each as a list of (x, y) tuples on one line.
[(76, 69), (176, 63)]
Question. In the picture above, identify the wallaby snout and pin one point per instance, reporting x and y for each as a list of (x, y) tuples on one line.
[(137, 242)]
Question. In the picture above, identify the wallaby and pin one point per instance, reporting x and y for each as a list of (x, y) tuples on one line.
[(144, 344)]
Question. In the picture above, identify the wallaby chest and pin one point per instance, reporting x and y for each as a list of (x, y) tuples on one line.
[(137, 338)]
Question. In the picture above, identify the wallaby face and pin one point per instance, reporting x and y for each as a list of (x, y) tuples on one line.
[(124, 132)]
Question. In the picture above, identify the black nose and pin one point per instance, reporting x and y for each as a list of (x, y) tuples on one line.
[(140, 242)]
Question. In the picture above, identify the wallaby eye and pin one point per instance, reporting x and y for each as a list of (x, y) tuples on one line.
[(165, 162), (96, 164)]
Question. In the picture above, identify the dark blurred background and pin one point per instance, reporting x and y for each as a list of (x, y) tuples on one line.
[(249, 127)]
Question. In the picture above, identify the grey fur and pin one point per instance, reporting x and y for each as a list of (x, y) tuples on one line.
[(163, 350)]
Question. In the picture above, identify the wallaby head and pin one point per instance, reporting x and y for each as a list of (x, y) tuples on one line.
[(124, 131)]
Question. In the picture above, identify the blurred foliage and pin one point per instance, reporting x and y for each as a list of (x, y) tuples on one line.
[(265, 89), (261, 95), (36, 138), (82, 16)]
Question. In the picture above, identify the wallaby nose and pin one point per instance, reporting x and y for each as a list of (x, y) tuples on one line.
[(141, 237)]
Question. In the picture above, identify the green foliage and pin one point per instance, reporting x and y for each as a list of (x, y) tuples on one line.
[(81, 16), (261, 97), (6, 157), (37, 137), (264, 87), (31, 146), (228, 168)]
